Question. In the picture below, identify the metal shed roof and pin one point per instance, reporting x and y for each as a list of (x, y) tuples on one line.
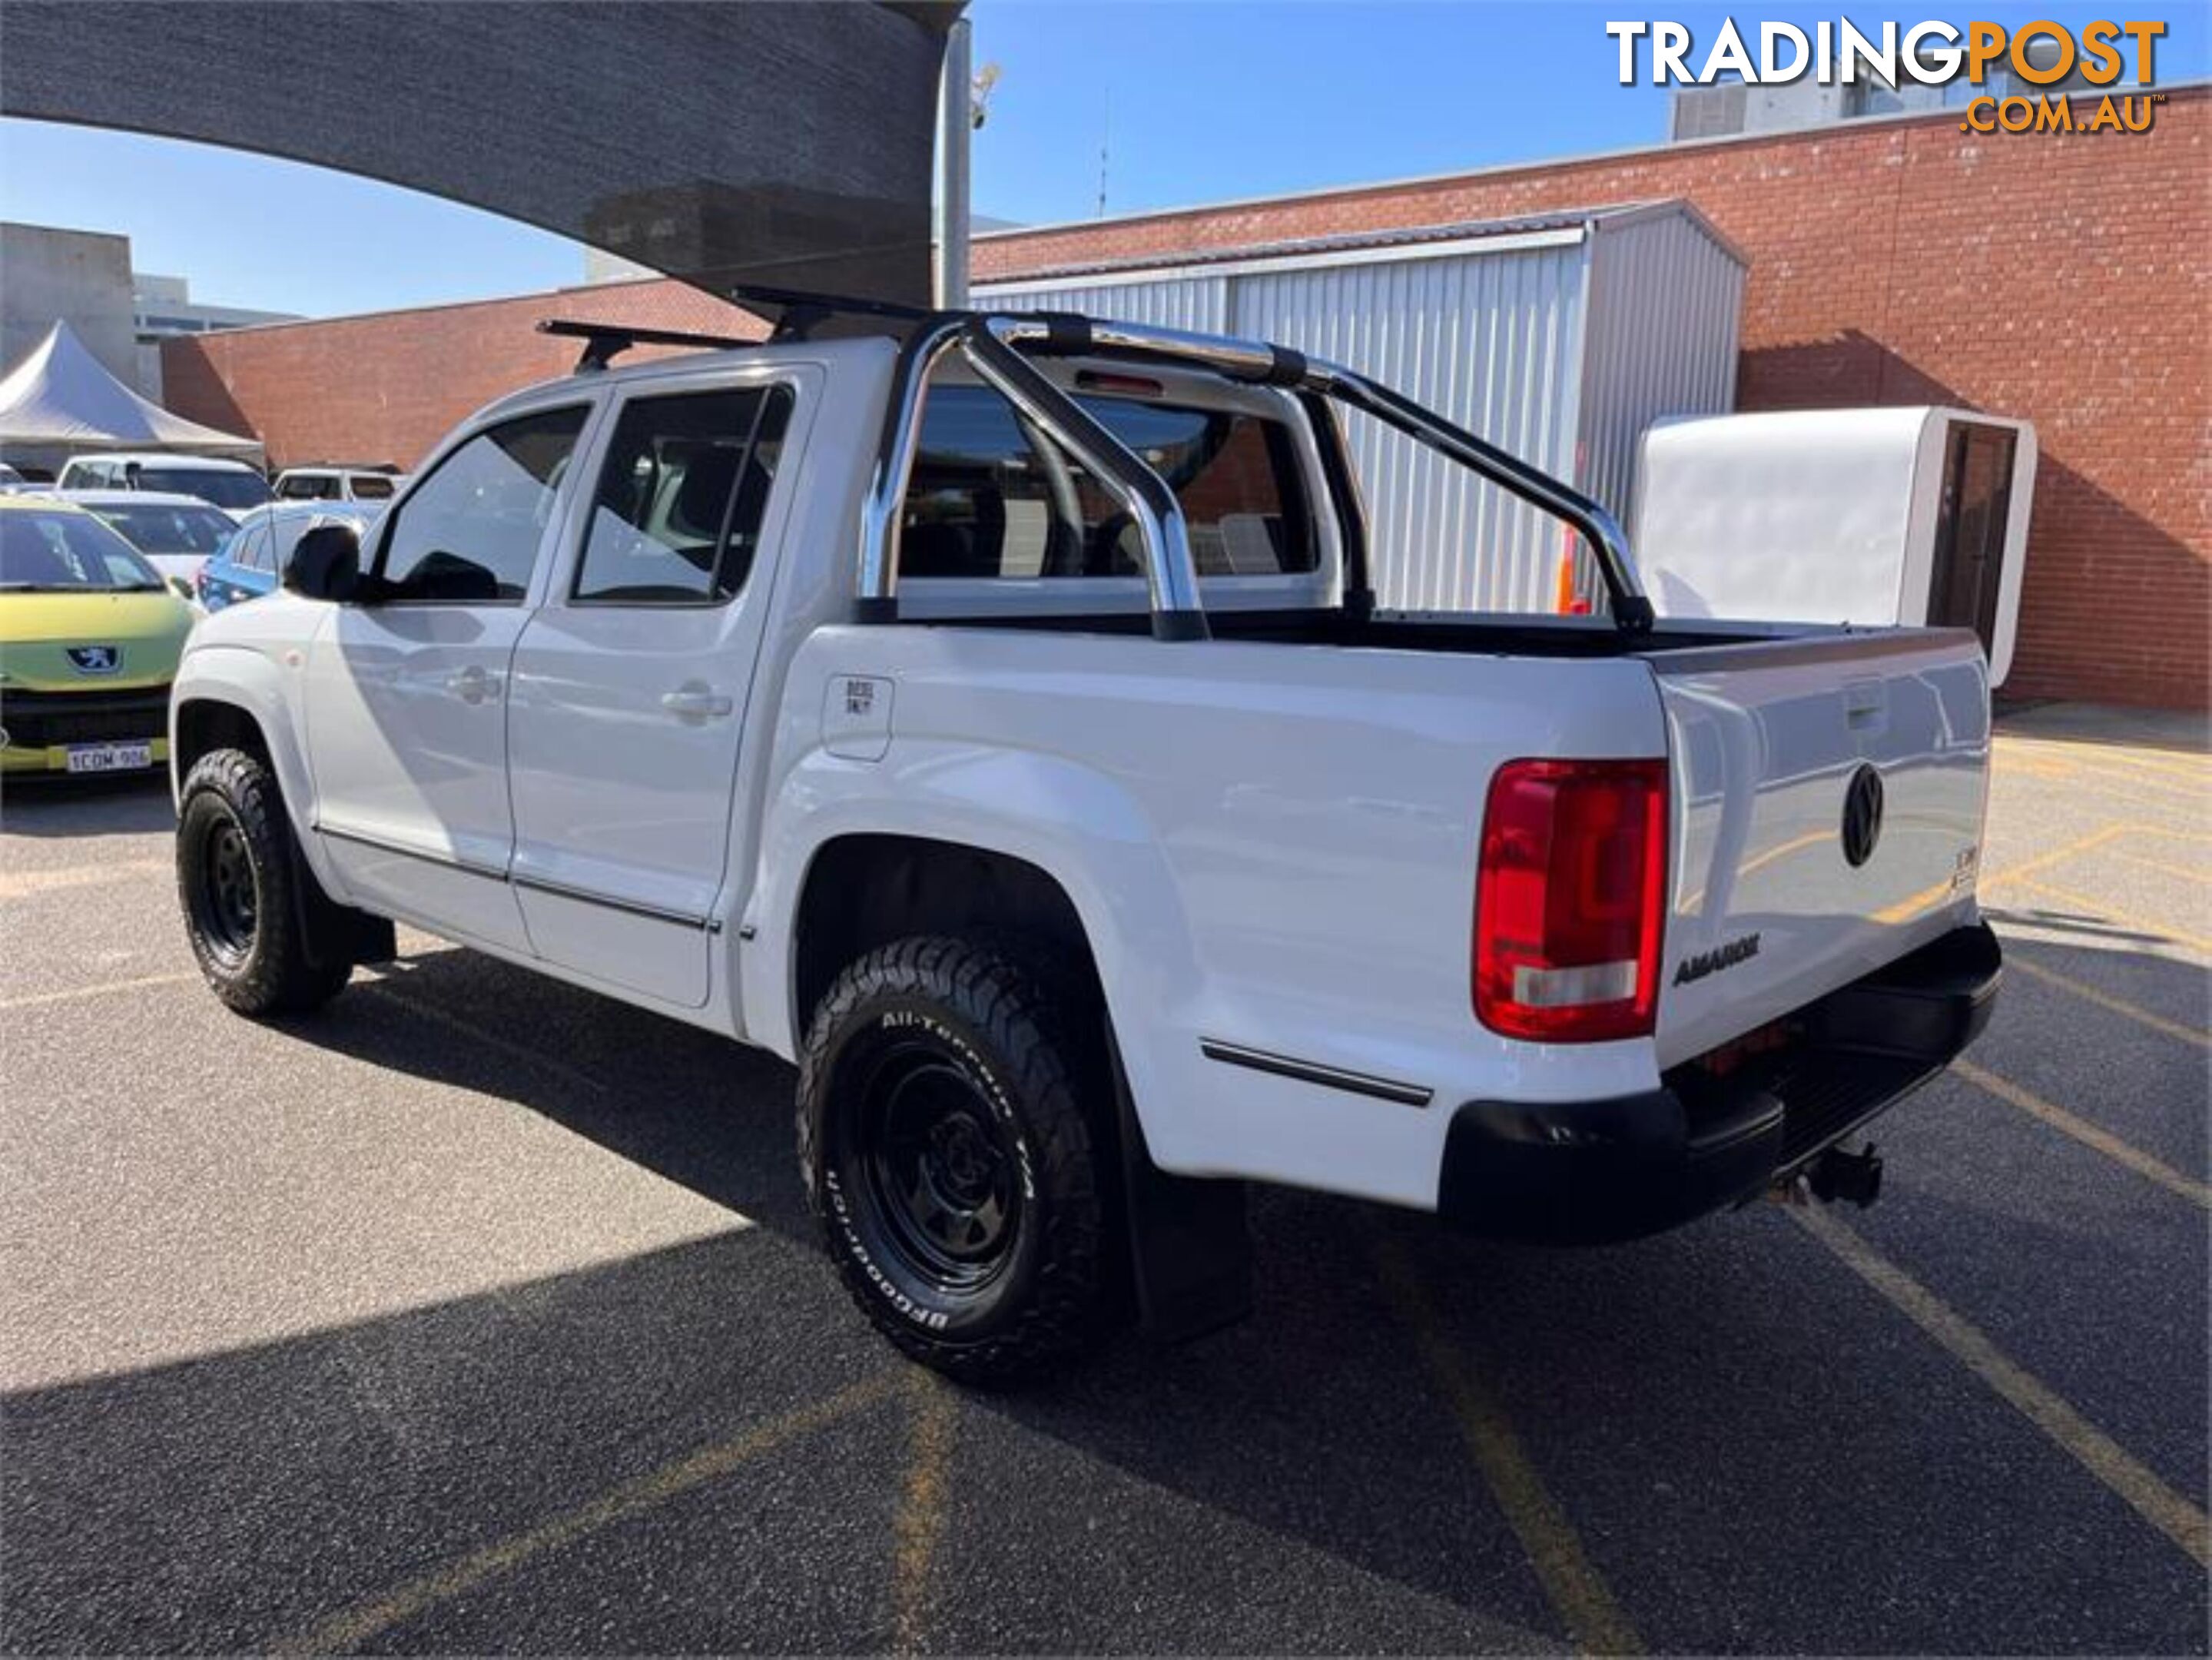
[(1414, 241)]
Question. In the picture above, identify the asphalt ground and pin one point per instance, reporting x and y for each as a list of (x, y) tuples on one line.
[(479, 1313)]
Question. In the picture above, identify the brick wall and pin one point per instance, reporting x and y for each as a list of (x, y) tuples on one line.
[(2060, 278), (387, 386)]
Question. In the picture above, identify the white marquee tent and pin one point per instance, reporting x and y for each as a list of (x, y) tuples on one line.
[(61, 400)]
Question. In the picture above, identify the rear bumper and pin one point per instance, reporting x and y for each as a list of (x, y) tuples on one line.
[(1589, 1171)]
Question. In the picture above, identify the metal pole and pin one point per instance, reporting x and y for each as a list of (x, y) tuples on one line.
[(955, 125)]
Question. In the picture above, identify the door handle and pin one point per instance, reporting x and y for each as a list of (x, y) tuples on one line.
[(694, 702), (472, 684)]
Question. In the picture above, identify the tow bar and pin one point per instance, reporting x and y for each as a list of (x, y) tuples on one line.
[(1849, 1178)]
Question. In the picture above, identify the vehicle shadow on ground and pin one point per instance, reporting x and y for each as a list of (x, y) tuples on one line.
[(69, 808), (1752, 1450)]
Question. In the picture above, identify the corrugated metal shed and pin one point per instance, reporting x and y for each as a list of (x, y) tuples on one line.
[(1560, 336)]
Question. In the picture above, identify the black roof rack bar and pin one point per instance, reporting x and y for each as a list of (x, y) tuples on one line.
[(799, 310), (604, 342)]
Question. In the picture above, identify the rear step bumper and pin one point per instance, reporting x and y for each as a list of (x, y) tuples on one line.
[(1589, 1171)]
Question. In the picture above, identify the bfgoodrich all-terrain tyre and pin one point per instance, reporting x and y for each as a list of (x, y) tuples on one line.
[(946, 1105), (267, 938)]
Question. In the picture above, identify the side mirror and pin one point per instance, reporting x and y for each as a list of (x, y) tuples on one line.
[(326, 564), (181, 588)]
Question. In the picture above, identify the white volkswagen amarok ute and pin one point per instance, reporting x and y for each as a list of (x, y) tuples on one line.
[(990, 714)]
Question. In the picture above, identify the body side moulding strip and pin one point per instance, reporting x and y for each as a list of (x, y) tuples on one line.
[(1312, 1071)]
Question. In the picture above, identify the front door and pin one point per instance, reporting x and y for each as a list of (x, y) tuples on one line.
[(630, 685), (407, 695), (1970, 530)]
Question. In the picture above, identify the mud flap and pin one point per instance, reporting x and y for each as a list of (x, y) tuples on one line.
[(328, 929), (1190, 1241)]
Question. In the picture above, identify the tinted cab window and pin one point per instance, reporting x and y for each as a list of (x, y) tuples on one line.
[(471, 530), (990, 496), (676, 517)]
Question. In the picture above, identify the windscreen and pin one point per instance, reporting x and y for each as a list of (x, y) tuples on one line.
[(67, 553), (171, 530), (237, 490)]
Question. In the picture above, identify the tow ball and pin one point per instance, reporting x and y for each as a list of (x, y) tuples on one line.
[(1846, 1177)]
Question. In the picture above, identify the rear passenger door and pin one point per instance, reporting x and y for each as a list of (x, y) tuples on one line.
[(631, 681)]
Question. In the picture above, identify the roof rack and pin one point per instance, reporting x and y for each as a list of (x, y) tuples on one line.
[(604, 342), (797, 312)]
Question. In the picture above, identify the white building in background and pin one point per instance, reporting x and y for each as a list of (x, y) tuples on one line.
[(163, 307), (1729, 107), (81, 277), (84, 278)]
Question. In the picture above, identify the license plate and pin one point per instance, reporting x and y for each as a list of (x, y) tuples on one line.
[(109, 757)]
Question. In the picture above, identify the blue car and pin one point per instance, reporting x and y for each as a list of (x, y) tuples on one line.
[(252, 561)]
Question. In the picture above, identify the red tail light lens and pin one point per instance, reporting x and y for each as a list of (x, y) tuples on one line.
[(1570, 900)]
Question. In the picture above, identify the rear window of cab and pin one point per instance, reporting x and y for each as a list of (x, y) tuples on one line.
[(991, 496)]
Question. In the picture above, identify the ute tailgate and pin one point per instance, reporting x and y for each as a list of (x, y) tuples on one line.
[(1828, 795)]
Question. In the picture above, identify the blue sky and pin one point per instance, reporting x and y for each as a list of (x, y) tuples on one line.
[(1208, 101)]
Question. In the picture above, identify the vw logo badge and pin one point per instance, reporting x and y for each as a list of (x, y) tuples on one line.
[(1861, 815), (96, 659)]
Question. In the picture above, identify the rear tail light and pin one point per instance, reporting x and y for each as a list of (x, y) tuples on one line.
[(1570, 900)]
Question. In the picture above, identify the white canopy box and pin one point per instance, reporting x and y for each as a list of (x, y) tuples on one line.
[(1865, 515)]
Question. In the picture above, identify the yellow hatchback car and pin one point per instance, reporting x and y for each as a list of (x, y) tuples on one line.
[(89, 637)]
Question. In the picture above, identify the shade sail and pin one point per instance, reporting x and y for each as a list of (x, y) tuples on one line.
[(788, 144), (62, 397)]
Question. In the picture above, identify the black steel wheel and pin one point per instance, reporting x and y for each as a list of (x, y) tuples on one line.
[(226, 896), (266, 937), (940, 1167), (946, 1110)]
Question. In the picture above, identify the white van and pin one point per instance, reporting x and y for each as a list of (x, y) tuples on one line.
[(231, 485)]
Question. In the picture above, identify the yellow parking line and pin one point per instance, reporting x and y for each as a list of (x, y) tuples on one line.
[(2088, 1135), (919, 1523), (2099, 910), (2159, 865), (2176, 764), (2073, 849), (357, 1625), (22, 884), (2104, 999), (109, 988), (2171, 835), (2109, 791), (1584, 1604), (1905, 909), (2087, 1445), (2045, 765)]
